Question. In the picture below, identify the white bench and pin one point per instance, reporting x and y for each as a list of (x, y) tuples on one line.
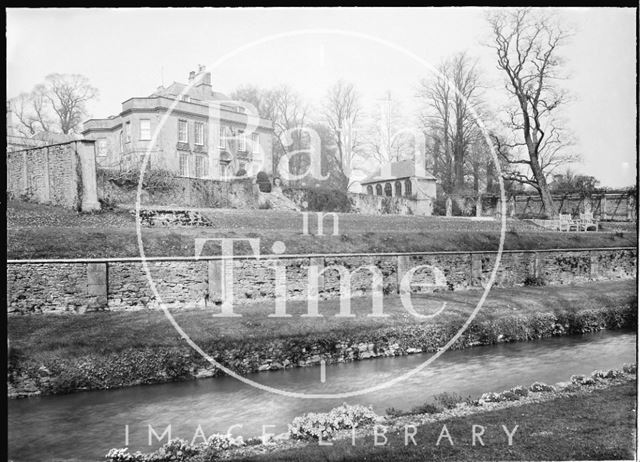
[(587, 221), (566, 223)]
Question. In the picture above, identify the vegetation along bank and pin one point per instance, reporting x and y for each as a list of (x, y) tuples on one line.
[(67, 353)]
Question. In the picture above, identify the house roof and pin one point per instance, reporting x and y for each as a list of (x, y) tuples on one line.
[(202, 93), (396, 170)]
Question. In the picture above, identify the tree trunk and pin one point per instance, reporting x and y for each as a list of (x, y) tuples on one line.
[(543, 188), (458, 166), (490, 174)]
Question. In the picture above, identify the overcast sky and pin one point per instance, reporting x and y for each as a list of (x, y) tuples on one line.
[(130, 52)]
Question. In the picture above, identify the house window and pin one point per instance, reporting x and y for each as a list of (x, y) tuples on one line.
[(370, 190), (379, 190), (127, 132), (201, 167), (183, 133), (101, 147), (255, 141), (407, 187), (145, 129), (243, 142), (186, 98), (121, 141), (184, 165), (222, 144), (387, 189), (199, 133), (398, 188)]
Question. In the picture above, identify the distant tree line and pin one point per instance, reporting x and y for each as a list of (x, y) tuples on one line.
[(528, 135)]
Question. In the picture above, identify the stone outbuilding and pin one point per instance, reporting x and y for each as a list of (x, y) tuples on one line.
[(406, 179)]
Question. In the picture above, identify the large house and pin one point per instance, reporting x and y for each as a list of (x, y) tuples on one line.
[(204, 134)]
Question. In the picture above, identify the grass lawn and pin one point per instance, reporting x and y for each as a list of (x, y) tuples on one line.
[(75, 335), (39, 231), (595, 426)]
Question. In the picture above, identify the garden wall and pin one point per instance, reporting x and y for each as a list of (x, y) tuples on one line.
[(182, 192), (60, 174), (370, 205), (79, 286), (383, 205), (604, 206)]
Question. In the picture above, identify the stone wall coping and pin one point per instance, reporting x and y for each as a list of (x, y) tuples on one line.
[(34, 148), (301, 256)]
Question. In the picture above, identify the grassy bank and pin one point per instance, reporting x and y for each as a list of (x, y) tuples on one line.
[(60, 354), (588, 418), (39, 231), (580, 425)]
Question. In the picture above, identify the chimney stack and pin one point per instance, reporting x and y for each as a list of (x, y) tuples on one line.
[(204, 80), (192, 75)]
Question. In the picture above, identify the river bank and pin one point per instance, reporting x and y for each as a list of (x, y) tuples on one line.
[(85, 426), (586, 418), (595, 422), (63, 354)]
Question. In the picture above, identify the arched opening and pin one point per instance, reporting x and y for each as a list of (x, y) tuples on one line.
[(379, 190), (370, 189), (398, 189), (388, 191), (407, 187)]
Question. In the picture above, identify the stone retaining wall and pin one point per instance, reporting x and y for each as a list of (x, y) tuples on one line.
[(184, 193), (60, 174), (121, 285), (368, 204)]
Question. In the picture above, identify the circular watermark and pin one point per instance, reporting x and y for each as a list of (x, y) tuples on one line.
[(279, 247)]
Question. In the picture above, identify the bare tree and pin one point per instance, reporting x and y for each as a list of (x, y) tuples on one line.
[(32, 112), (389, 135), (448, 100), (286, 109), (342, 111), (526, 45), (56, 106), (465, 79), (261, 99), (21, 106), (68, 95), (290, 112)]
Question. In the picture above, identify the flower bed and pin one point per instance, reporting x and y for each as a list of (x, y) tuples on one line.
[(328, 425)]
